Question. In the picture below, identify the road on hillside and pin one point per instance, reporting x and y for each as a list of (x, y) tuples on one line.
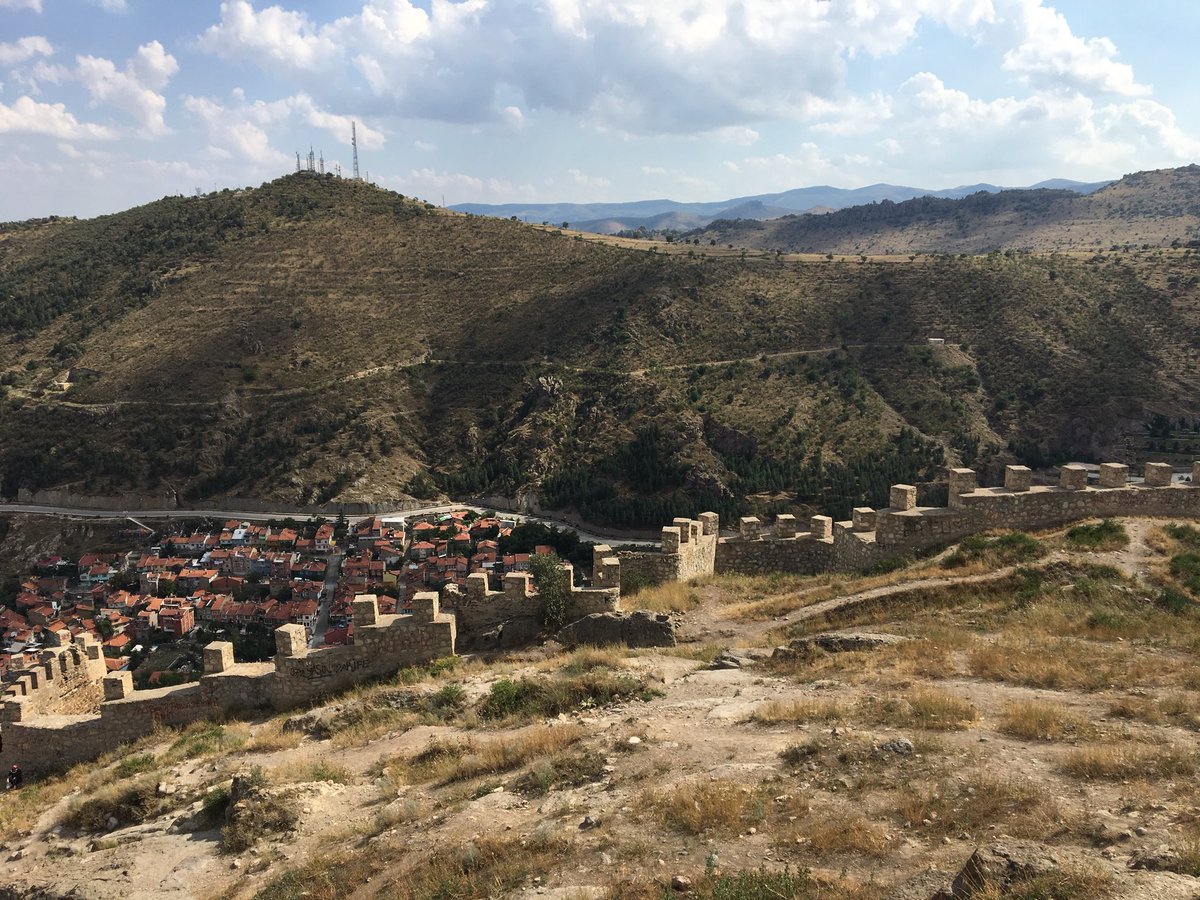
[(333, 567), (594, 537)]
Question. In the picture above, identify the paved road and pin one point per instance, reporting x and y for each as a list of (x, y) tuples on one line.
[(78, 512), (333, 566)]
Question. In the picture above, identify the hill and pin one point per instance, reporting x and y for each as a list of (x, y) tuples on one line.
[(1147, 209), (669, 215), (318, 339)]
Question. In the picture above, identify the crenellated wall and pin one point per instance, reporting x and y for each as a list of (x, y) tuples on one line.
[(66, 680), (871, 536), (480, 609), (689, 548), (57, 722)]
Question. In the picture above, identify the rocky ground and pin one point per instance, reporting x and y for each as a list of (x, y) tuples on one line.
[(1032, 706)]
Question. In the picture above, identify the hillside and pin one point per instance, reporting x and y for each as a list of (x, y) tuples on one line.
[(1147, 209), (1026, 701), (318, 339)]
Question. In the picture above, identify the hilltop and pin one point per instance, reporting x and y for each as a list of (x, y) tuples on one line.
[(317, 339), (1146, 209)]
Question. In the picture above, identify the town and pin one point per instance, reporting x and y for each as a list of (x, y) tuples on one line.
[(156, 600)]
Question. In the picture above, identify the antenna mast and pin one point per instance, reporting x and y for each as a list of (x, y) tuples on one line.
[(354, 144)]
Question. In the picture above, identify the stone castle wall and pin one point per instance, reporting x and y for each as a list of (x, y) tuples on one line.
[(872, 536), (481, 609), (53, 722)]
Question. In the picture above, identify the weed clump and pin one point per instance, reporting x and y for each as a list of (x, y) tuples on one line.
[(1106, 535), (530, 698), (1003, 550)]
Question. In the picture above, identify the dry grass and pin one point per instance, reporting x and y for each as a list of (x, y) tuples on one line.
[(1130, 761), (981, 799), (1177, 709), (1060, 663), (270, 738), (841, 833), (669, 597), (447, 762), (1036, 720), (921, 707), (777, 712), (929, 707), (719, 805)]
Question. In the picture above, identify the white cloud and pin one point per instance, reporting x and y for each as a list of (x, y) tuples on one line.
[(243, 129), (28, 116), (425, 146), (34, 5), (579, 179), (653, 170), (112, 6), (24, 49), (274, 35), (133, 90)]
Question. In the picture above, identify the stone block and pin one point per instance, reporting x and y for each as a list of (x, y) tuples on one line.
[(821, 527), (1018, 478), (961, 481), (670, 539), (599, 553), (862, 518), (118, 685), (1113, 475), (292, 640), (903, 496), (710, 523), (1073, 477), (748, 527), (785, 526), (1158, 474), (477, 585), (607, 574), (365, 610), (518, 585), (1196, 473), (685, 529), (218, 657), (425, 606)]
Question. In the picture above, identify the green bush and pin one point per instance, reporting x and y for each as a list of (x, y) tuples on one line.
[(1106, 535), (544, 698), (1005, 549)]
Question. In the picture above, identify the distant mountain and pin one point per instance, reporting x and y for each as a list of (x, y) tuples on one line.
[(1147, 208), (654, 215)]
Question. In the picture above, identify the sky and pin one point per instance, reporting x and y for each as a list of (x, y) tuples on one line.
[(105, 104)]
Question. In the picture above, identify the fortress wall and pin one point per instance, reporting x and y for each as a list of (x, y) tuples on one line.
[(481, 609), (799, 555), (65, 681), (45, 738)]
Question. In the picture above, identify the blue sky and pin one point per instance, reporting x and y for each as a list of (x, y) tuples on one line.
[(108, 103)]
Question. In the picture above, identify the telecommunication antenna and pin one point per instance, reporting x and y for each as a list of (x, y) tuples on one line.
[(297, 161), (354, 144), (321, 165), (337, 168), (312, 160)]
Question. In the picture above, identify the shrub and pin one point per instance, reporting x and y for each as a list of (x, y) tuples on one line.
[(543, 698), (1105, 535), (135, 765), (1005, 549), (1034, 720), (696, 807), (128, 804), (550, 579)]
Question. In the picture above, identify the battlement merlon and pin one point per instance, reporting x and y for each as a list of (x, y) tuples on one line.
[(1158, 474), (961, 481), (1073, 477), (903, 497), (1018, 479), (1114, 475)]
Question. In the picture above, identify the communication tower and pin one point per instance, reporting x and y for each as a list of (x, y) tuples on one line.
[(354, 144)]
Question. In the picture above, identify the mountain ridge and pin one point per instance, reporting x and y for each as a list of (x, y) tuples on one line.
[(632, 214)]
